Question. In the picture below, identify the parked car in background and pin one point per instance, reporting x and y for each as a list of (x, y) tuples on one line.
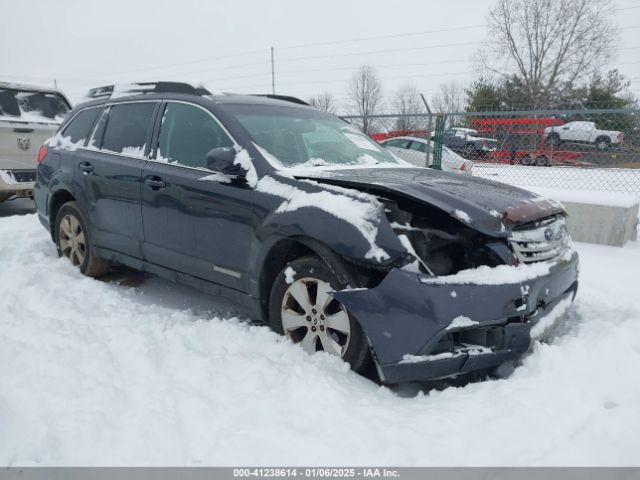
[(583, 132), (414, 151), (468, 142), (28, 116), (311, 225)]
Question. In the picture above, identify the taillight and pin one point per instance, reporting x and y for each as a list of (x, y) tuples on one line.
[(463, 167), (42, 153)]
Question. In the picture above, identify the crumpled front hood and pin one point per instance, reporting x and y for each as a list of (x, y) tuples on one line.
[(491, 207)]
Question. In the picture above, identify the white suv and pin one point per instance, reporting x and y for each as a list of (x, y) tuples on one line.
[(28, 117)]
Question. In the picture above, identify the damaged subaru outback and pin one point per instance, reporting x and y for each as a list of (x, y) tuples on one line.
[(308, 223)]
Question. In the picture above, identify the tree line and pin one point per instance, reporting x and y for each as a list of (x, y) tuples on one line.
[(541, 55)]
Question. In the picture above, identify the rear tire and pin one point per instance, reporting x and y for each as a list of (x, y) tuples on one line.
[(603, 144), (469, 150), (526, 160), (542, 161), (73, 241), (302, 309)]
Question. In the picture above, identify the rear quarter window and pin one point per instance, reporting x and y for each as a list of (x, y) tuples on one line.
[(127, 128), (80, 126)]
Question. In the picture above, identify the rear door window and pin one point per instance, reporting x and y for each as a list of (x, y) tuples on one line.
[(398, 143), (187, 134), (79, 128), (127, 128)]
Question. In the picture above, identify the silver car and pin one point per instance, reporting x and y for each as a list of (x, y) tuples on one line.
[(413, 150), (28, 117)]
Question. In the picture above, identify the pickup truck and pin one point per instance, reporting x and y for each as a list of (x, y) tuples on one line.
[(28, 116), (582, 132)]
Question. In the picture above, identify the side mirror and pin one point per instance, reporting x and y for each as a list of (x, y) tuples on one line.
[(221, 159)]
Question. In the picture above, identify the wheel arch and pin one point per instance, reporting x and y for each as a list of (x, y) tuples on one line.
[(58, 199), (286, 249)]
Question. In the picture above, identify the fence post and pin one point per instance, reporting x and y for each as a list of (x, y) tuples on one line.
[(429, 131), (437, 141)]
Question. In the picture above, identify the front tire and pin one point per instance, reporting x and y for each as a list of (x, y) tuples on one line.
[(73, 241), (302, 308), (553, 140)]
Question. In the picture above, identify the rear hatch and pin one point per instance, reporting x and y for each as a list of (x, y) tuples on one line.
[(27, 119)]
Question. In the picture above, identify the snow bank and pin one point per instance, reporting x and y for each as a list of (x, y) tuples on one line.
[(590, 197), (602, 180), (143, 372)]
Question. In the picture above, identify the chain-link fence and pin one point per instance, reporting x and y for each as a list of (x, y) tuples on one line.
[(597, 149)]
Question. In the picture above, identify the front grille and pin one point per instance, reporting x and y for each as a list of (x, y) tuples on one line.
[(546, 240), (24, 176)]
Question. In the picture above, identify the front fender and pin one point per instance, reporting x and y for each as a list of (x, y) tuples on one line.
[(377, 247)]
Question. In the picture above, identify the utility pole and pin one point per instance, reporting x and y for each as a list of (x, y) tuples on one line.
[(424, 100), (273, 74), (55, 83)]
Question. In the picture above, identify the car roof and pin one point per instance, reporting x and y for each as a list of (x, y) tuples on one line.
[(404, 137), (181, 90), (221, 99), (257, 99)]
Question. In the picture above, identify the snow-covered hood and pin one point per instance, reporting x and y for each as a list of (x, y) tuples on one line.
[(487, 206)]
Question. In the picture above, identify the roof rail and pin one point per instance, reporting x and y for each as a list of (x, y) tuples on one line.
[(286, 98), (109, 91)]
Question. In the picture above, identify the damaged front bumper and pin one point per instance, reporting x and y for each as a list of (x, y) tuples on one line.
[(424, 331)]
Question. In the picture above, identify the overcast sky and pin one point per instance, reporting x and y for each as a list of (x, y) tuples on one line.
[(86, 43)]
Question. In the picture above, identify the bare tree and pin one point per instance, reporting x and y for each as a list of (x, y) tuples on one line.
[(324, 101), (549, 44), (407, 101), (365, 92), (450, 98)]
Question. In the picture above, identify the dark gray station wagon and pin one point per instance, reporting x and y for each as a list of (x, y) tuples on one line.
[(310, 225)]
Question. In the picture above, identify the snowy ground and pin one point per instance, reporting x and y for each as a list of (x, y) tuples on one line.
[(137, 371), (622, 180)]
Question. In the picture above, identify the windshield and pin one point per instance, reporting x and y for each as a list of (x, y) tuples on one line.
[(305, 137), (32, 106)]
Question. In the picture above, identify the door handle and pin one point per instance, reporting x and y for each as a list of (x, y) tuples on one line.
[(155, 183), (86, 167)]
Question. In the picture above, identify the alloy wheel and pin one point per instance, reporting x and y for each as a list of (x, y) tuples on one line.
[(314, 319), (72, 240)]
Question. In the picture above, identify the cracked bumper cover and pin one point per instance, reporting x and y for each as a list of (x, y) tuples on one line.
[(403, 316)]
